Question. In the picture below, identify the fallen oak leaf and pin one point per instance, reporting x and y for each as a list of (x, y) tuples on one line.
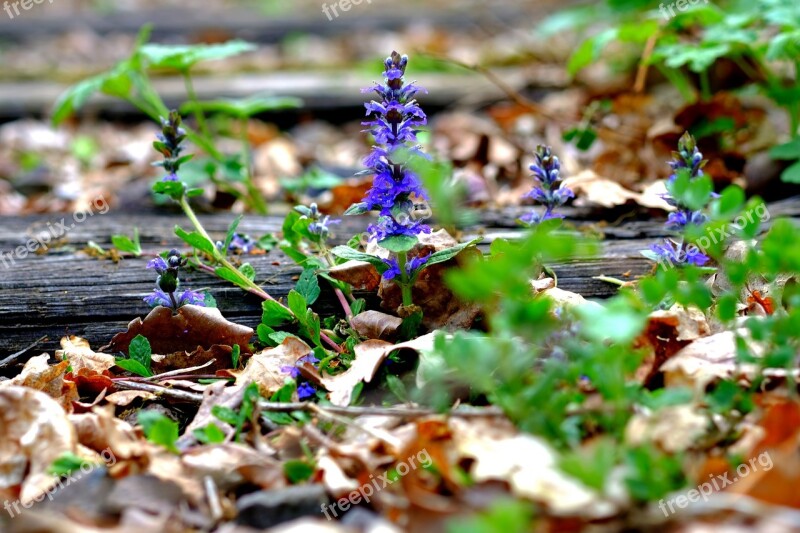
[(265, 368), (77, 351), (376, 325), (368, 358), (38, 374), (184, 331), (36, 431)]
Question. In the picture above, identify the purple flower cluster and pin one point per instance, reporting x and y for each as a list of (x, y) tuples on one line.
[(548, 191), (394, 125), (320, 224), (304, 390), (411, 266), (166, 292), (169, 144), (688, 159)]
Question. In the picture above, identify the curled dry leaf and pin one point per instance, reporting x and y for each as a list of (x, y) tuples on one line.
[(673, 429), (592, 189), (713, 358), (77, 351), (668, 331), (36, 432), (265, 367), (219, 355), (527, 464), (215, 394), (441, 309), (126, 397), (184, 331), (231, 464), (368, 358), (376, 325), (360, 274), (38, 374), (100, 430)]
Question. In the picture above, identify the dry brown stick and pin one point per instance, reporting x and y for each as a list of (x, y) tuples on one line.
[(11, 359), (281, 407), (641, 72)]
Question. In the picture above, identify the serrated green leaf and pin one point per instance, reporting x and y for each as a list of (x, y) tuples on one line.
[(274, 314), (308, 286), (140, 351)]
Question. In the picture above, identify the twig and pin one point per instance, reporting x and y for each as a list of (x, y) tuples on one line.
[(11, 359), (212, 495), (378, 434), (184, 396), (287, 407)]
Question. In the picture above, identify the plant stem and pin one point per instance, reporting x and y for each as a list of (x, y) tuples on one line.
[(199, 116), (256, 199), (244, 282), (405, 284)]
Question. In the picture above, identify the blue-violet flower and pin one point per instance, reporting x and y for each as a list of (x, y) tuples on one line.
[(547, 191)]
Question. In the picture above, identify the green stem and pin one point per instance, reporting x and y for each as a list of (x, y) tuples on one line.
[(244, 281), (199, 116), (405, 283), (256, 199)]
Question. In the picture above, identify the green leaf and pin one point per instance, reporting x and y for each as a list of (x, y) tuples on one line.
[(279, 336), (184, 57), (73, 98), (244, 107), (229, 234), (308, 286), (66, 463), (229, 275), (195, 240), (248, 271), (225, 414), (297, 471), (236, 353), (617, 321), (297, 304), (209, 434), (398, 243), (788, 151), (173, 189), (274, 314), (345, 252), (159, 429), (589, 51), (123, 243), (140, 351), (729, 203), (133, 366), (791, 174), (447, 254)]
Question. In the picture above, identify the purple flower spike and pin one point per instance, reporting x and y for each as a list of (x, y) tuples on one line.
[(546, 169), (395, 122)]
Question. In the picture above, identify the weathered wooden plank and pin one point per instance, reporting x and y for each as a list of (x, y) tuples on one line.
[(66, 291)]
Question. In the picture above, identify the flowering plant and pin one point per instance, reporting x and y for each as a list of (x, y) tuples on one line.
[(690, 192), (548, 190)]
